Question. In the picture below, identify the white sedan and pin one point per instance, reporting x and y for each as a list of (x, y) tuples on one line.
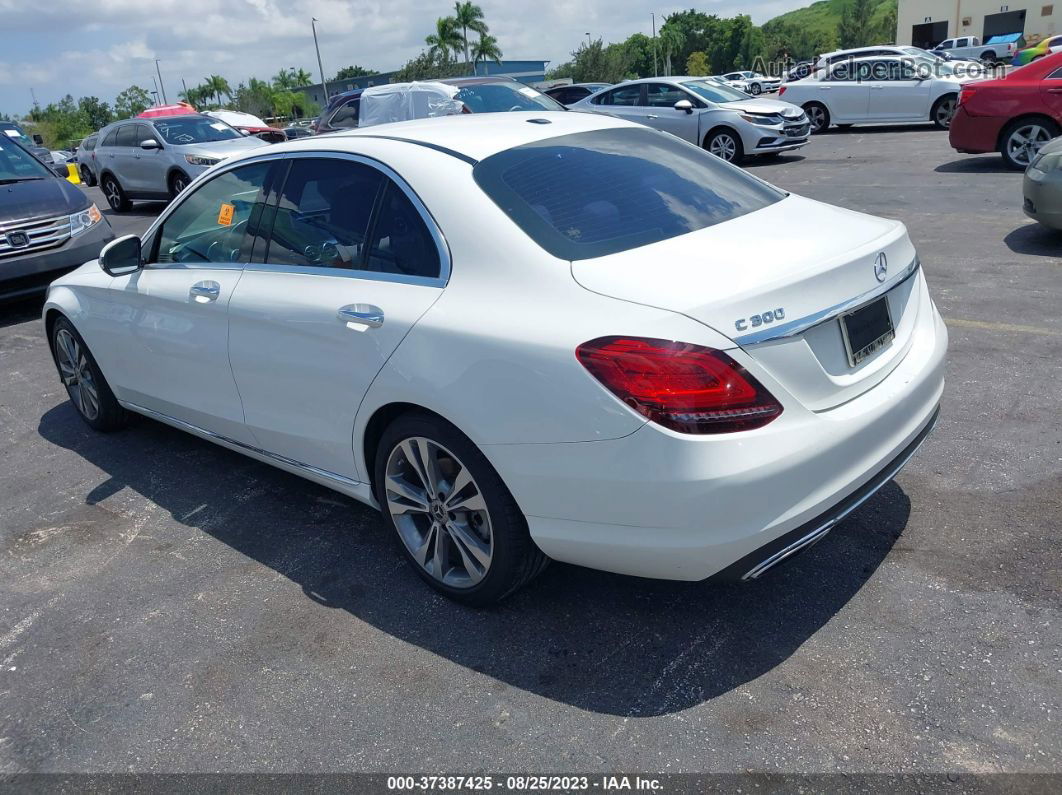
[(523, 337), (755, 82), (889, 89)]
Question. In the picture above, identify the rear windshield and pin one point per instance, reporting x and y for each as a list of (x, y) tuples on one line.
[(597, 193), (502, 97)]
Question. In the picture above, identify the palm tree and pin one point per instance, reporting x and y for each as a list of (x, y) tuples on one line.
[(468, 16), (445, 39), (215, 86), (486, 49), (285, 79), (302, 77)]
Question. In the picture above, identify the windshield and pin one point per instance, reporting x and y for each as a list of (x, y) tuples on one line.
[(501, 97), (714, 92), (11, 131), (596, 193), (18, 165), (194, 130)]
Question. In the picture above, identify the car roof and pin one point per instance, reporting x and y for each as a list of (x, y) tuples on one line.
[(477, 136)]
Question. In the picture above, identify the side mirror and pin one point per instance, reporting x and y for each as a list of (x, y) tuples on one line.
[(38, 139), (684, 104), (122, 256), (149, 144), (61, 170)]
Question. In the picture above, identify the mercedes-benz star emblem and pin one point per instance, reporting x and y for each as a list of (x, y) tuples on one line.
[(881, 267)]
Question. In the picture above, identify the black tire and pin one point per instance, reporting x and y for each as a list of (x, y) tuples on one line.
[(178, 182), (755, 89), (819, 116), (725, 144), (989, 57), (115, 194), (1020, 163), (87, 177), (101, 412), (515, 560), (942, 119)]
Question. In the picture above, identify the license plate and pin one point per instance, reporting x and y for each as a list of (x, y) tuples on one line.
[(867, 330)]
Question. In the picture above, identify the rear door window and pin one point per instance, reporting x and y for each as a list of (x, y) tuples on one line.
[(127, 135), (628, 95), (596, 193), (663, 95), (111, 139), (347, 116), (401, 243)]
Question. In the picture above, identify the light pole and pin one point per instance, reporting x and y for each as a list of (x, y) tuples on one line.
[(588, 38), (656, 71), (156, 91), (161, 85), (324, 83)]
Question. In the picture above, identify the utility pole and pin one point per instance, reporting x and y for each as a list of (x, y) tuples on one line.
[(588, 39), (656, 71), (184, 85), (316, 46), (163, 87), (156, 91), (36, 105)]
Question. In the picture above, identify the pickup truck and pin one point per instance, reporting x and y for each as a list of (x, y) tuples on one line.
[(996, 49)]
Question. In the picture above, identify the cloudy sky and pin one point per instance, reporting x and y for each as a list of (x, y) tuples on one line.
[(99, 47)]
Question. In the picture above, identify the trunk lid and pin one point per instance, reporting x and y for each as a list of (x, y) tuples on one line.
[(774, 282)]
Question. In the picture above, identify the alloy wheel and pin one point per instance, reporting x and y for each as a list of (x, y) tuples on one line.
[(439, 511), (723, 146), (76, 374), (756, 89), (113, 194), (817, 117), (179, 184), (1025, 143), (945, 112)]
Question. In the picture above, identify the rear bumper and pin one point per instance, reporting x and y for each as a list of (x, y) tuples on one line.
[(1043, 198), (975, 135), (672, 506), (32, 272)]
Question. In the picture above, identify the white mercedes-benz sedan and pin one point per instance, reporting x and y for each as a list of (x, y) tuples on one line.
[(523, 337)]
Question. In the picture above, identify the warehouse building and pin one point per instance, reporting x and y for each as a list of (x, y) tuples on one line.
[(926, 23)]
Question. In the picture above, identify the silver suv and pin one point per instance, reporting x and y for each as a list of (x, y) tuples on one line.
[(156, 158)]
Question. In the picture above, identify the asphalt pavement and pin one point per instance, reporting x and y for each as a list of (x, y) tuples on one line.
[(167, 605)]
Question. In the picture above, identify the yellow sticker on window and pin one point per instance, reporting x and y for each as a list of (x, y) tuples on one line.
[(225, 214)]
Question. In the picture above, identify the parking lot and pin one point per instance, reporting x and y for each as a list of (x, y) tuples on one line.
[(169, 605)]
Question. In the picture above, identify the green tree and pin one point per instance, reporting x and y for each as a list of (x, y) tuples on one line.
[(348, 72), (856, 28), (670, 41), (468, 16), (429, 66), (97, 113), (697, 64), (131, 102), (445, 41), (301, 77), (215, 86), (888, 25), (485, 49)]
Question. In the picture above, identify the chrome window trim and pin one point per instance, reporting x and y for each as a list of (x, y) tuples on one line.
[(441, 245), (800, 325)]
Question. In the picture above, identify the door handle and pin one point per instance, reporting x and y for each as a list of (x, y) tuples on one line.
[(1054, 91), (652, 116), (205, 291), (363, 314)]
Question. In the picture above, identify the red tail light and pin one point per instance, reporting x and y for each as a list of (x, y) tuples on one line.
[(684, 387), (782, 90), (965, 93)]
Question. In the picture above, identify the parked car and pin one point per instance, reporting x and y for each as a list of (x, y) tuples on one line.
[(177, 109), (157, 158), (570, 94), (249, 124), (1043, 186), (726, 417), (479, 95), (875, 90), (728, 123), (1041, 49), (86, 160), (739, 84), (964, 66), (11, 130), (47, 226), (290, 133), (799, 70), (1014, 115), (756, 83), (996, 49)]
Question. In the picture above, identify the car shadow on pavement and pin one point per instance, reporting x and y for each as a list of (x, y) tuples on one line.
[(1032, 238), (601, 642), (139, 210), (20, 311), (992, 164)]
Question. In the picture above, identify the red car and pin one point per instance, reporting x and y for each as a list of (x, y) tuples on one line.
[(1014, 116)]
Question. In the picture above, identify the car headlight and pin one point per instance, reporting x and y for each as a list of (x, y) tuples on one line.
[(1047, 162), (763, 121), (199, 160), (84, 220)]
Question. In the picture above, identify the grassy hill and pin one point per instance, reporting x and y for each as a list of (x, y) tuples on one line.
[(823, 17)]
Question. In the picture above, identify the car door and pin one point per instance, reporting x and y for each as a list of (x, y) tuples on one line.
[(169, 325), (846, 91), (896, 91), (152, 164), (1051, 93), (123, 159), (352, 261), (624, 102), (660, 112)]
